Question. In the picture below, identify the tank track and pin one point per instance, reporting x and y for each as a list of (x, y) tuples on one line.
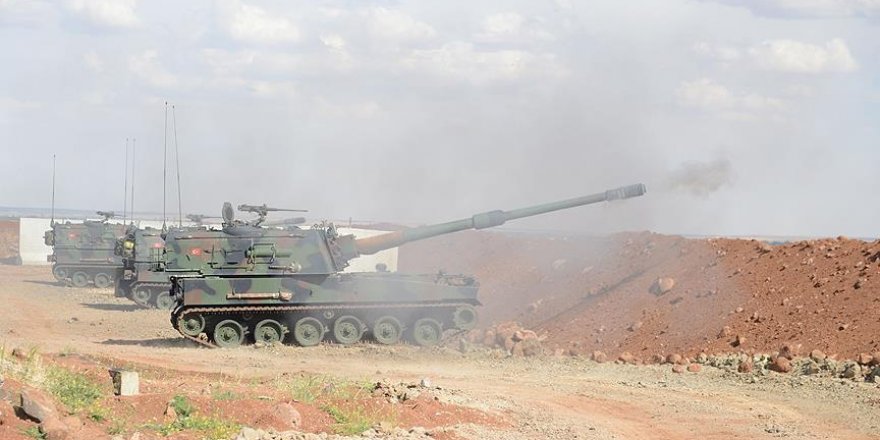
[(177, 313), (155, 289)]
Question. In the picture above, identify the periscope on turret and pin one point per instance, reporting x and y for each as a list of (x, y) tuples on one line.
[(247, 283)]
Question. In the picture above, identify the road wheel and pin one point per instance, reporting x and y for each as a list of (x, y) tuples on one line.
[(103, 281), (164, 301), (308, 332), (427, 332), (269, 331), (79, 279), (348, 330), (387, 330), (193, 325), (142, 296), (60, 273), (465, 318), (228, 334)]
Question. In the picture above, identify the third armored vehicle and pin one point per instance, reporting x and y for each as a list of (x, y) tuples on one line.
[(246, 282), (84, 252), (140, 250)]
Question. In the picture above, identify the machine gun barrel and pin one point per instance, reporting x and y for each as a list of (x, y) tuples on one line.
[(371, 245)]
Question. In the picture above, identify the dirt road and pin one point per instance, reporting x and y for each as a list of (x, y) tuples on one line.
[(534, 398)]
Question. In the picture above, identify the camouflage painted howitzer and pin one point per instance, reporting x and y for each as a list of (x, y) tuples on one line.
[(83, 253), (247, 283)]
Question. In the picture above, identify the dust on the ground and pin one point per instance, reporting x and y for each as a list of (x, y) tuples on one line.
[(478, 395)]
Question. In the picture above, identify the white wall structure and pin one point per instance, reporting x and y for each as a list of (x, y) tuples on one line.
[(367, 263), (31, 247), (34, 251)]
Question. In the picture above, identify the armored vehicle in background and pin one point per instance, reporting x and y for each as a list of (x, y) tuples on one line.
[(247, 283), (83, 253), (140, 250)]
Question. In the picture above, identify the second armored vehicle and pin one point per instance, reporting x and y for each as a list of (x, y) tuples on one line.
[(251, 283), (83, 253)]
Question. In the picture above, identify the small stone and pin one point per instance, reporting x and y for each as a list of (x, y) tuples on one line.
[(865, 359), (657, 359), (694, 368), (725, 332), (599, 357), (425, 382), (286, 416), (19, 354), (170, 415), (677, 368), (249, 434), (54, 429), (662, 285), (739, 310), (738, 341), (635, 326), (781, 365), (627, 358), (790, 351), (817, 355), (745, 366), (673, 358), (875, 361)]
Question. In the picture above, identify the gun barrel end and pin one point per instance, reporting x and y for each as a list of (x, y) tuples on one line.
[(626, 192)]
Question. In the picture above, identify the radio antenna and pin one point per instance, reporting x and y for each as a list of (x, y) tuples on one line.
[(165, 167), (177, 160), (133, 160), (125, 186), (52, 221)]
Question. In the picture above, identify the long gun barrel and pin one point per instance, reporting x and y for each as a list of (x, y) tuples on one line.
[(371, 245)]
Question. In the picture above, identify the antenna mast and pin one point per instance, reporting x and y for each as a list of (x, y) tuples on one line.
[(52, 221), (164, 166), (133, 155), (125, 185), (177, 159)]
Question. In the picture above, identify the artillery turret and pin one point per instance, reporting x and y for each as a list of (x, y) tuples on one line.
[(253, 283)]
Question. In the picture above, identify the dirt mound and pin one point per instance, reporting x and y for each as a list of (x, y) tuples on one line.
[(650, 294)]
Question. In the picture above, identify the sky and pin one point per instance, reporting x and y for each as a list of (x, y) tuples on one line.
[(741, 117)]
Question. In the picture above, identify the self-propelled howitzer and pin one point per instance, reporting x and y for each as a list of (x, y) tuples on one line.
[(250, 283)]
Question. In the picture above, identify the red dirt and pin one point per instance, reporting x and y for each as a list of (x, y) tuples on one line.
[(589, 293), (249, 403)]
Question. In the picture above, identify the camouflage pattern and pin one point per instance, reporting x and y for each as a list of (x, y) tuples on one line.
[(246, 282), (83, 253), (141, 250)]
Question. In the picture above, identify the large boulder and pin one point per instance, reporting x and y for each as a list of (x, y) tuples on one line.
[(37, 405)]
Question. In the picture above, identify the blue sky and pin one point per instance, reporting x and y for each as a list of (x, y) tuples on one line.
[(742, 117)]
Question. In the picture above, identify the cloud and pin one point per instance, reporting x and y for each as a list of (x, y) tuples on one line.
[(701, 178), (111, 13), (93, 61), (784, 56), (798, 57), (503, 25), (461, 60), (512, 27), (255, 25), (147, 67), (26, 13), (808, 8), (10, 104), (396, 25), (717, 99)]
